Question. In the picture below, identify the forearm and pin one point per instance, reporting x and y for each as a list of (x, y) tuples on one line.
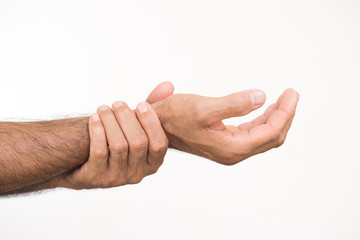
[(33, 152), (66, 147), (38, 155)]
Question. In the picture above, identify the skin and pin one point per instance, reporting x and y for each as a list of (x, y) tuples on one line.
[(192, 124), (37, 155), (137, 146)]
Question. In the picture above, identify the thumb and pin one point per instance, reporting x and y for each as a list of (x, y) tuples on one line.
[(236, 104), (160, 92)]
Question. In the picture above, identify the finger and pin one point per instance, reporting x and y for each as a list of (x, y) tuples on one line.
[(275, 129), (158, 142), (273, 144), (98, 159), (160, 92), (117, 143), (268, 113), (259, 120), (233, 105), (135, 136)]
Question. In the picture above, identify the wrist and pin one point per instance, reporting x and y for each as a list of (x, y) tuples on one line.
[(163, 112), (167, 114)]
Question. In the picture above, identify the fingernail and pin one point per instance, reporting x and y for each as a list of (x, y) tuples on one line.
[(257, 98), (118, 104), (142, 107), (95, 117), (103, 108)]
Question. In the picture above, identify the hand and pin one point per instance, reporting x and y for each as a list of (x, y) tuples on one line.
[(194, 124), (125, 146)]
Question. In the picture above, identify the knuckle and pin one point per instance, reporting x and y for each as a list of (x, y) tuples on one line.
[(119, 147), (100, 153), (140, 143), (159, 146)]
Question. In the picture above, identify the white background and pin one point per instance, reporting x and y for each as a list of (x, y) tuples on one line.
[(60, 58)]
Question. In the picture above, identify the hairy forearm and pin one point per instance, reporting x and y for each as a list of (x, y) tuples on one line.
[(39, 155), (32, 152)]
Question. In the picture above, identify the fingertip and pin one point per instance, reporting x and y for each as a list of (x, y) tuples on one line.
[(102, 108), (142, 108), (166, 87), (293, 92), (95, 125), (257, 97), (147, 115), (160, 92), (169, 87), (118, 104), (145, 109), (289, 101), (94, 118)]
